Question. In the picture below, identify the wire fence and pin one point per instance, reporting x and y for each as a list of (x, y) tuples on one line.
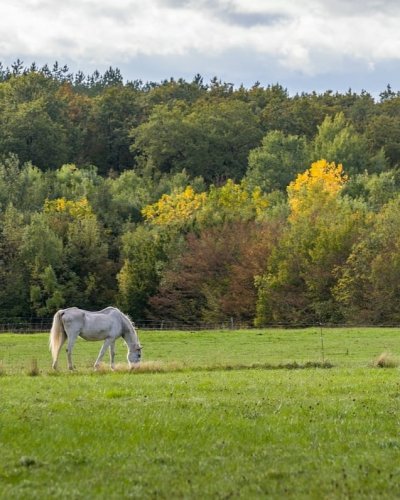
[(228, 342), (37, 325), (19, 325), (23, 326)]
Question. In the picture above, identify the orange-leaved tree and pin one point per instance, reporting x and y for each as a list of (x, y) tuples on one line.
[(205, 237)]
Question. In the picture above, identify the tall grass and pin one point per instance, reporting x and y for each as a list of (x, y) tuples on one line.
[(387, 360)]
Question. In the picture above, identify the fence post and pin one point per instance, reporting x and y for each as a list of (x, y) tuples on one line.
[(322, 342)]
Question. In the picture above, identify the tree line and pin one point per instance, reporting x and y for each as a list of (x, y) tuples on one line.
[(197, 201)]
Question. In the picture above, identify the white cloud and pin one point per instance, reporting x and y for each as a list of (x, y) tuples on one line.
[(307, 36)]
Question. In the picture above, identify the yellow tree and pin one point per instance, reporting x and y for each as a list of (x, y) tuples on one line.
[(232, 202), (85, 269), (318, 185), (221, 204), (76, 209), (299, 281), (215, 230), (177, 208), (61, 212)]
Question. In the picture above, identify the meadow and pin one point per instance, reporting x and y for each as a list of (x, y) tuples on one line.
[(301, 413)]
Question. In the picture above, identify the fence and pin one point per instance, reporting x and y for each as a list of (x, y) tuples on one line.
[(36, 325), (194, 344), (26, 326)]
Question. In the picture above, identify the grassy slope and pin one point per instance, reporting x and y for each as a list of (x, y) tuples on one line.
[(205, 434)]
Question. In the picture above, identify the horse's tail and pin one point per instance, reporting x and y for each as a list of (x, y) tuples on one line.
[(57, 335)]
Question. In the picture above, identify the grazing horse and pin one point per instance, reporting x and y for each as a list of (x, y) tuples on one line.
[(107, 324)]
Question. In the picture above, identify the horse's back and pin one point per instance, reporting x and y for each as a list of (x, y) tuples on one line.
[(102, 324), (109, 310), (72, 318), (72, 313), (94, 325)]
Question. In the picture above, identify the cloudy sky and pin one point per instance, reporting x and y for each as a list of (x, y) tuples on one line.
[(302, 44)]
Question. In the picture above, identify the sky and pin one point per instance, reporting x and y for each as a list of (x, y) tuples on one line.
[(304, 45)]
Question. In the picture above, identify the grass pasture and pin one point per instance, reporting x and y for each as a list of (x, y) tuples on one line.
[(220, 414)]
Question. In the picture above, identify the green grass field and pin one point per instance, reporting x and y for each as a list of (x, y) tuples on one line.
[(211, 415)]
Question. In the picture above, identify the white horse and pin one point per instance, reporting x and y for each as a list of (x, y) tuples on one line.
[(107, 324)]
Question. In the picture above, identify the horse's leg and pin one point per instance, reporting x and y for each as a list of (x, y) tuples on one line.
[(54, 365), (71, 341), (112, 354), (105, 346)]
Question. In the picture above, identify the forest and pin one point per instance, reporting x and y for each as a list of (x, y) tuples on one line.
[(197, 202)]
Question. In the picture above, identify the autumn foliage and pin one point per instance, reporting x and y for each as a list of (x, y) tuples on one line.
[(322, 180), (176, 208), (213, 278), (197, 201)]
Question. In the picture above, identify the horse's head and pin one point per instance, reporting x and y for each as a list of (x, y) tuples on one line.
[(135, 354)]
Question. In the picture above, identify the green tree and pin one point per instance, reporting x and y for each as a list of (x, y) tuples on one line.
[(42, 256), (297, 285), (75, 108), (210, 139), (75, 246), (374, 189), (31, 124), (130, 192), (46, 294), (361, 112), (161, 139), (75, 183), (25, 186), (175, 90), (113, 114), (143, 254), (86, 253), (274, 164), (383, 132), (338, 141), (41, 246), (368, 287), (14, 288)]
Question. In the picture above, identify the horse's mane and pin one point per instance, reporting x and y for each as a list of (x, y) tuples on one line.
[(127, 317), (130, 322)]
